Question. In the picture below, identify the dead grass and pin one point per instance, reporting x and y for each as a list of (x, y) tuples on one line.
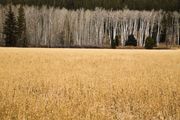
[(79, 84)]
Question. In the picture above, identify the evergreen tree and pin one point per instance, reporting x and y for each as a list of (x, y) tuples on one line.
[(10, 29), (131, 41), (22, 41)]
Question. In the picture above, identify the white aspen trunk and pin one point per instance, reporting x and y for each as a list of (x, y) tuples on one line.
[(177, 27), (2, 19), (159, 28), (141, 33), (122, 34), (178, 31), (152, 23)]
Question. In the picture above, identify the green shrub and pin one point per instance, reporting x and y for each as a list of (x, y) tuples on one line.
[(131, 41), (150, 43)]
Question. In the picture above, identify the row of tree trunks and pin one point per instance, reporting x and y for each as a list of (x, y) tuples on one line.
[(50, 27)]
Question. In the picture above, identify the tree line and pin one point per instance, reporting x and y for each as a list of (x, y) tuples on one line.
[(168, 5), (52, 27)]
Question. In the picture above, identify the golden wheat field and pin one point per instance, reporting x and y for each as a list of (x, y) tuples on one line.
[(89, 84)]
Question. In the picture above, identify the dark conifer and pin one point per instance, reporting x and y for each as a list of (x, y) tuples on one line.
[(22, 41), (10, 29)]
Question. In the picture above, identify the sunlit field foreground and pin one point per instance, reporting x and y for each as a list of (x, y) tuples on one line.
[(79, 84)]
